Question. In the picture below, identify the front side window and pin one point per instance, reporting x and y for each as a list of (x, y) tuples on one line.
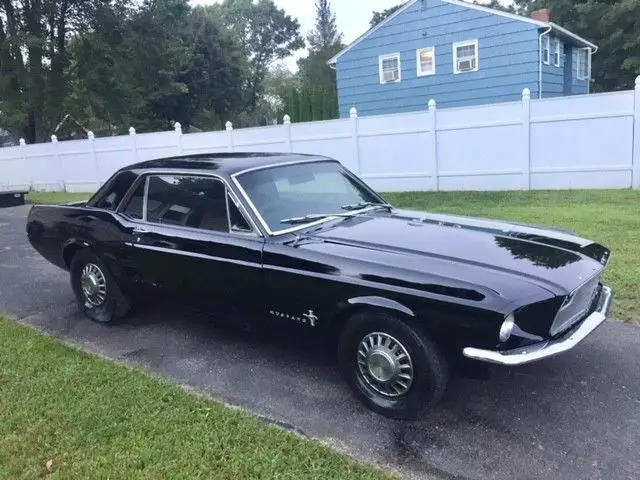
[(294, 191), (389, 68), (186, 201), (584, 63), (426, 60), (465, 57)]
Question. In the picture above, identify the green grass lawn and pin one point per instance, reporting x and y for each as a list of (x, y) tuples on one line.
[(67, 414), (611, 217), (50, 198)]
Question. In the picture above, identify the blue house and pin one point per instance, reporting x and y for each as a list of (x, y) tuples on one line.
[(459, 54)]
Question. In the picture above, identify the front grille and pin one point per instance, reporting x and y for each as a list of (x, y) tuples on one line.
[(577, 306)]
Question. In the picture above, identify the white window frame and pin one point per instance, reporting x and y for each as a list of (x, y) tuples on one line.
[(381, 58), (587, 51), (466, 43), (556, 52), (419, 71), (546, 49)]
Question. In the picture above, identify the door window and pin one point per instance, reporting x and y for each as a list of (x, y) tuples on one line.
[(186, 201)]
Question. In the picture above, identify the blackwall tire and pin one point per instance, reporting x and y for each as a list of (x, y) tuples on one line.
[(370, 345), (97, 293)]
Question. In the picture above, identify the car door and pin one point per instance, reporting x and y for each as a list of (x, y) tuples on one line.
[(193, 242)]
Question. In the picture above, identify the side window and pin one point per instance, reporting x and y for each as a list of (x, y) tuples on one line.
[(134, 207), (236, 219), (110, 196), (197, 202)]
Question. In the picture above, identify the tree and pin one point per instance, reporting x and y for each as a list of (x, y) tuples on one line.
[(380, 16), (265, 34), (132, 67), (34, 59), (324, 42)]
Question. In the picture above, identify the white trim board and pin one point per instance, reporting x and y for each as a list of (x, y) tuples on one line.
[(464, 4)]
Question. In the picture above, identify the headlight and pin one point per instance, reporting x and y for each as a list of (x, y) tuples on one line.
[(506, 328)]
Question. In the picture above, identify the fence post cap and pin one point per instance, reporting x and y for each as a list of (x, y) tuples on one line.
[(54, 139), (90, 135), (177, 127), (353, 113), (638, 81), (526, 93), (22, 141), (286, 119), (228, 125), (432, 104), (132, 131)]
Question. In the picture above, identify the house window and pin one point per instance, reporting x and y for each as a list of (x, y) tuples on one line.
[(426, 61), (556, 52), (584, 63), (545, 50), (389, 68), (465, 57)]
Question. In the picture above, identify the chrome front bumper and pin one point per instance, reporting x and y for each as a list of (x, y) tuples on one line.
[(541, 350)]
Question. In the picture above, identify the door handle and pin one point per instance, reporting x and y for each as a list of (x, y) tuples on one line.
[(140, 230)]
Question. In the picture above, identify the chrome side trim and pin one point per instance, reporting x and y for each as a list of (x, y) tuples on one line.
[(312, 159), (546, 349), (195, 255)]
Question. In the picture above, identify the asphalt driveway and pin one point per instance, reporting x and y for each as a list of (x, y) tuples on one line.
[(575, 417)]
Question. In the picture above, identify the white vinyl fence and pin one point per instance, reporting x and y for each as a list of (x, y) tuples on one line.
[(586, 141)]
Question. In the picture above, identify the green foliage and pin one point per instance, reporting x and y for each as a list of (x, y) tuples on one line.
[(265, 33), (316, 76), (380, 16)]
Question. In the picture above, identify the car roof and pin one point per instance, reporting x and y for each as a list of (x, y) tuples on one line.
[(229, 163)]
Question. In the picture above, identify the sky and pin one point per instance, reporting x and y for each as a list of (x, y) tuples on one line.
[(352, 16)]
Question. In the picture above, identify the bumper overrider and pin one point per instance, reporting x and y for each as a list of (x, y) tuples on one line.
[(538, 351)]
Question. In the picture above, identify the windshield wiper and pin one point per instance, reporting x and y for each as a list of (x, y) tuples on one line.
[(363, 205), (312, 218)]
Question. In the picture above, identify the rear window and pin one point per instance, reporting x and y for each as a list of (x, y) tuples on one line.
[(112, 193)]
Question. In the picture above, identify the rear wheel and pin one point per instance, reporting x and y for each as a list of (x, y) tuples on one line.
[(395, 369), (96, 290)]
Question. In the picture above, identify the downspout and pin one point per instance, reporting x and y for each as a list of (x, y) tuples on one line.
[(540, 60), (592, 52)]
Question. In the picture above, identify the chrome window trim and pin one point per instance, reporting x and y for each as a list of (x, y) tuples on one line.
[(275, 233), (146, 174)]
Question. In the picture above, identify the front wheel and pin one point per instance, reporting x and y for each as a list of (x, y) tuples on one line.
[(392, 367), (97, 293)]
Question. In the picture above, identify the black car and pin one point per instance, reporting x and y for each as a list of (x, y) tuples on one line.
[(302, 241)]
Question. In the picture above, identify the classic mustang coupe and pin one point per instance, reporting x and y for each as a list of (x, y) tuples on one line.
[(302, 241)]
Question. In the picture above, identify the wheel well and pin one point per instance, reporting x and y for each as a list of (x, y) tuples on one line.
[(344, 314), (69, 252)]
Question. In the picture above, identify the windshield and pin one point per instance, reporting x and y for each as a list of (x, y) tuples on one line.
[(304, 189)]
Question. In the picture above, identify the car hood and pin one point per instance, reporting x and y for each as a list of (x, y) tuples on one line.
[(556, 260)]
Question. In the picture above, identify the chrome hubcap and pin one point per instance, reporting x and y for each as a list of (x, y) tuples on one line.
[(93, 284), (385, 365)]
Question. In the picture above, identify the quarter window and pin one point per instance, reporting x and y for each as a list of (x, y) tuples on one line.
[(465, 57), (389, 68), (136, 202), (426, 61)]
